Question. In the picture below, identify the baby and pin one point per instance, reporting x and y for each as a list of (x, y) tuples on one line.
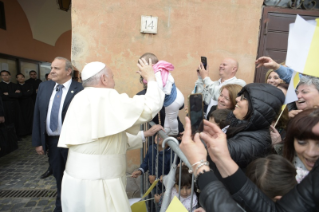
[(174, 99)]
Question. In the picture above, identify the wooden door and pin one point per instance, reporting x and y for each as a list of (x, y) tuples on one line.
[(273, 39)]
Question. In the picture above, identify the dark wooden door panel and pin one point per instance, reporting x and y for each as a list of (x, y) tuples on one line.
[(279, 22), (277, 40)]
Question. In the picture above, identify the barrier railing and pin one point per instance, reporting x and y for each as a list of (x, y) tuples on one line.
[(174, 146)]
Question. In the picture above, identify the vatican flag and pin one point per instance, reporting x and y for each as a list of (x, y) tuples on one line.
[(303, 47)]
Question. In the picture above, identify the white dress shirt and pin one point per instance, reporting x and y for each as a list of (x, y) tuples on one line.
[(65, 90)]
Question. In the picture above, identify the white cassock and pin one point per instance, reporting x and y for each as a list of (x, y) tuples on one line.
[(95, 131)]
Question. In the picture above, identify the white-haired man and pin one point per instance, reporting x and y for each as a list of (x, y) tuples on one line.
[(95, 131)]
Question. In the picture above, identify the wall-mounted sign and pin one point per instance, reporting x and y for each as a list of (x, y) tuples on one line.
[(149, 24)]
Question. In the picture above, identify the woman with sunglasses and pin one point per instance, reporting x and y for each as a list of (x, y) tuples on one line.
[(248, 134)]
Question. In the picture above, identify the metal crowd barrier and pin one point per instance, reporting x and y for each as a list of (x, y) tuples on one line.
[(174, 145)]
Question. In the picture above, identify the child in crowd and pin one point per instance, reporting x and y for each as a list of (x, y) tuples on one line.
[(185, 190), (274, 175), (174, 99), (219, 117), (155, 165)]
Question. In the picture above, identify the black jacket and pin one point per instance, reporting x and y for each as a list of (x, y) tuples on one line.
[(214, 197), (254, 140), (1, 108)]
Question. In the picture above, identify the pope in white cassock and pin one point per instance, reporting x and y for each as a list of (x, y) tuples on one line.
[(99, 127)]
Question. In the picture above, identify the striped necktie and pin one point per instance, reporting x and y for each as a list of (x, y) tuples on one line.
[(55, 108)]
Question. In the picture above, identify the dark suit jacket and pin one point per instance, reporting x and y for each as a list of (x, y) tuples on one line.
[(1, 108), (41, 109)]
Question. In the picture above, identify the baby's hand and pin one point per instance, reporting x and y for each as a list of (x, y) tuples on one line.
[(151, 178), (161, 178), (157, 197), (136, 173)]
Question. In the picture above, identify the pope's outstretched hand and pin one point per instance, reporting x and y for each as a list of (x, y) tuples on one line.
[(146, 69)]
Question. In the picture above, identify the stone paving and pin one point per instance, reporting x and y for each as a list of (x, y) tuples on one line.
[(22, 168)]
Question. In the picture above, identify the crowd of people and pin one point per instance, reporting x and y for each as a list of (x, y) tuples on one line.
[(277, 147), (253, 156), (277, 178), (17, 101)]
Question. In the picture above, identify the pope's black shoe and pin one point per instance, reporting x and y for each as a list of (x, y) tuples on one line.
[(46, 174)]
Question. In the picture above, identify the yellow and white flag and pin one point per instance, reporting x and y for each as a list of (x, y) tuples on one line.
[(176, 206), (291, 93), (303, 47)]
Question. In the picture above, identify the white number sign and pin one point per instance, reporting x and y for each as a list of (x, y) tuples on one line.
[(149, 24)]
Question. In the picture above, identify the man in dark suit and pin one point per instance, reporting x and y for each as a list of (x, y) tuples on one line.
[(35, 82), (1, 112), (2, 119), (53, 100)]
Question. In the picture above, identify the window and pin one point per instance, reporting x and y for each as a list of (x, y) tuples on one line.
[(2, 17)]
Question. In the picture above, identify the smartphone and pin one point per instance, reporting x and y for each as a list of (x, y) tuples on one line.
[(204, 61), (195, 112)]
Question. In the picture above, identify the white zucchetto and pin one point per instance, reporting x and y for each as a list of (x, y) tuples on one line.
[(91, 69)]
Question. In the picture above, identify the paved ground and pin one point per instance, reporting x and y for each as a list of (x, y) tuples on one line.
[(22, 168)]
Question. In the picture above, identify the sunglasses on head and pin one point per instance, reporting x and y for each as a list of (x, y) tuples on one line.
[(242, 97)]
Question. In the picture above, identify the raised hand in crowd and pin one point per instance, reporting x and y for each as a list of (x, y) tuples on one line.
[(275, 136), (267, 62), (202, 71), (194, 150), (146, 69), (216, 143)]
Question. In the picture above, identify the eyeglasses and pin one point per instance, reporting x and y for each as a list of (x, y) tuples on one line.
[(242, 97)]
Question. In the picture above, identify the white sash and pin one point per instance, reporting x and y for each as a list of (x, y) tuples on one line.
[(95, 167)]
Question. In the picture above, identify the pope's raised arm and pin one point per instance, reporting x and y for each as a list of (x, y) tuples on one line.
[(99, 110)]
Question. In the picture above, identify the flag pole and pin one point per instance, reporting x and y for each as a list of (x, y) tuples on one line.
[(282, 110)]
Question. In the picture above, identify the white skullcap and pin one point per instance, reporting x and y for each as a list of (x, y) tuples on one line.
[(91, 69)]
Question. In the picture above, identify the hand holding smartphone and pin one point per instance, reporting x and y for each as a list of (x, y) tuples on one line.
[(204, 61)]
